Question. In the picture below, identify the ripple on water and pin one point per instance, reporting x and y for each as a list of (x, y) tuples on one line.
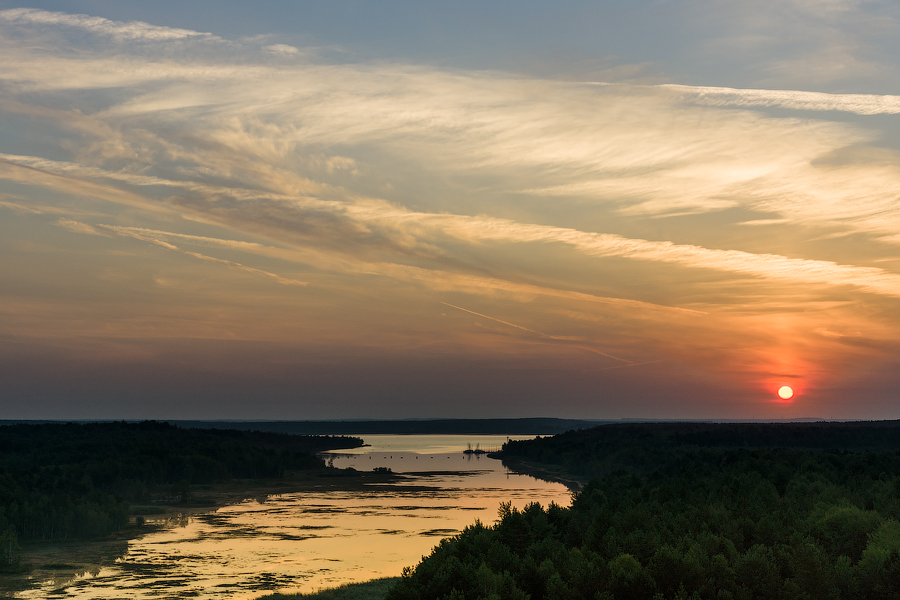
[(304, 541)]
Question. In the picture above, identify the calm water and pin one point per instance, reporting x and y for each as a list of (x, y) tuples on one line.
[(308, 540)]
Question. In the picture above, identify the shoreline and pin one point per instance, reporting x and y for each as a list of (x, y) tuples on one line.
[(375, 589), (60, 563), (543, 471), (63, 561)]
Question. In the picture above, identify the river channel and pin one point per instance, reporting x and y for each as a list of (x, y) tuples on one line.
[(300, 542)]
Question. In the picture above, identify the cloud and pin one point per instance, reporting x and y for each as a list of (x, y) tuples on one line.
[(733, 233), (636, 148), (283, 49), (758, 222), (130, 31), (79, 227), (860, 104), (375, 224), (23, 206), (423, 174), (434, 279), (770, 266)]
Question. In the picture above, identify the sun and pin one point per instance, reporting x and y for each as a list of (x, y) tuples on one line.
[(785, 392)]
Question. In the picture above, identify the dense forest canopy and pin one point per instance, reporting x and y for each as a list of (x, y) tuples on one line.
[(652, 446), (68, 480), (691, 511)]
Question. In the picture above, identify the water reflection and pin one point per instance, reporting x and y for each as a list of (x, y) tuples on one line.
[(303, 541)]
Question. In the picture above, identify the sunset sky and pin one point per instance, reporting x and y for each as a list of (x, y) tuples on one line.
[(347, 209)]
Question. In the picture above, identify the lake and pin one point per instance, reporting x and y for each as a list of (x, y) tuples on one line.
[(300, 542)]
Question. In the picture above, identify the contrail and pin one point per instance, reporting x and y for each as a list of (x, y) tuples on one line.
[(649, 362), (129, 232), (543, 335)]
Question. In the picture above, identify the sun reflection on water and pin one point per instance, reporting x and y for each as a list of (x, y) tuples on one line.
[(308, 540)]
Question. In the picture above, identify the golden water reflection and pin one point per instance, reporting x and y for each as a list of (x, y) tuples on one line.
[(308, 540)]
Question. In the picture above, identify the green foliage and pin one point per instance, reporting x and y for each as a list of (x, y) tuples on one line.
[(644, 447), (671, 520), (60, 481)]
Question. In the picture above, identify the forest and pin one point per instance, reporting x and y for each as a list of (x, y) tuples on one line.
[(78, 480), (690, 512), (520, 426)]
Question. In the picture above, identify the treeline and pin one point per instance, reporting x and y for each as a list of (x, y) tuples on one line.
[(643, 447), (67, 480), (522, 426), (709, 520)]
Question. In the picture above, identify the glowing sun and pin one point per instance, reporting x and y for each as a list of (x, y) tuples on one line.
[(785, 392)]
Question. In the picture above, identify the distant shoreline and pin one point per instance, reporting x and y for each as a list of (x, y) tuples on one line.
[(501, 426), (543, 471)]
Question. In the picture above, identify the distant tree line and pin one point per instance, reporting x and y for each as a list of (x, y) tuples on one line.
[(691, 513), (68, 480), (522, 426), (644, 447)]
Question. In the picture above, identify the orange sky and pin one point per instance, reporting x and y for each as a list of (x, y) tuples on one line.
[(203, 226)]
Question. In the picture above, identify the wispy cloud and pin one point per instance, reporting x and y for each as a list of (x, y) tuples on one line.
[(435, 279), (648, 151), (605, 245), (860, 104), (368, 223), (132, 30), (652, 217), (79, 227)]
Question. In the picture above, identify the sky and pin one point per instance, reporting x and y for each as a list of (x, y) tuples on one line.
[(346, 209)]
